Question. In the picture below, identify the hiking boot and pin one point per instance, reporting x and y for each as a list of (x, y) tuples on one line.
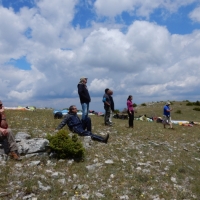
[(171, 128), (106, 138), (108, 124), (14, 155)]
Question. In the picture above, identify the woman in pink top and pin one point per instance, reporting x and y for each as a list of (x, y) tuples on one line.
[(130, 111)]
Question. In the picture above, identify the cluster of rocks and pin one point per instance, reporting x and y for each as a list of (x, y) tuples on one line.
[(150, 161), (27, 145)]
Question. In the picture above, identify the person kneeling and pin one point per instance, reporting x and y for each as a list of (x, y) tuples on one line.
[(81, 127)]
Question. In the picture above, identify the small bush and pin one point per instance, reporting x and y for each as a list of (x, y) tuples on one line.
[(143, 104), (189, 104), (197, 103), (116, 111), (134, 105), (178, 112), (29, 185), (197, 109), (65, 146)]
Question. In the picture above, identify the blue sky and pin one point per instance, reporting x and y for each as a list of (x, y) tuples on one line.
[(147, 49)]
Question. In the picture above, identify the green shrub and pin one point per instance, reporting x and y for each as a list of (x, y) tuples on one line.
[(134, 105), (178, 112), (197, 109), (143, 104), (189, 104), (65, 146), (116, 111), (197, 103)]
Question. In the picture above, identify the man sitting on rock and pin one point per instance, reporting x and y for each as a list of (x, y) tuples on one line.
[(6, 136), (82, 128)]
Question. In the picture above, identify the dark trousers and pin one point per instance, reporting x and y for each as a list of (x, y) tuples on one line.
[(131, 118), (86, 124), (85, 130), (5, 145)]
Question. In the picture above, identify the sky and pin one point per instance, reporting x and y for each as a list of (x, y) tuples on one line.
[(148, 49)]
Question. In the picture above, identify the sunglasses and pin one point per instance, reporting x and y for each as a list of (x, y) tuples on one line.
[(1, 104), (74, 108)]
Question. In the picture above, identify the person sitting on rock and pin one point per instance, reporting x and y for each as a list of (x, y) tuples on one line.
[(81, 127), (6, 136)]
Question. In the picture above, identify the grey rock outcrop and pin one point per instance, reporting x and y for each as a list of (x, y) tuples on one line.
[(26, 145)]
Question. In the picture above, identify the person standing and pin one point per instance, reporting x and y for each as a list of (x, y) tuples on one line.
[(9, 144), (166, 115), (84, 97), (112, 105), (107, 107), (130, 111)]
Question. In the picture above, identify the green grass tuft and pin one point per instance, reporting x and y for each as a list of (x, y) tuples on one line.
[(146, 159)]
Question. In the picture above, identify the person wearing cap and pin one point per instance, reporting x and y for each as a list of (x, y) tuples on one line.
[(107, 107), (84, 97), (82, 128), (166, 115), (6, 136)]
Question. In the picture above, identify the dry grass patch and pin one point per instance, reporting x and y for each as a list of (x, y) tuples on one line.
[(148, 161)]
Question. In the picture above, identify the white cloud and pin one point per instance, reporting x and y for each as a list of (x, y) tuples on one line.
[(146, 61), (105, 49), (195, 15), (20, 95), (11, 37), (112, 8), (59, 13), (99, 85)]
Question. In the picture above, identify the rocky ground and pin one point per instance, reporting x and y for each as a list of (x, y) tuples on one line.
[(148, 162)]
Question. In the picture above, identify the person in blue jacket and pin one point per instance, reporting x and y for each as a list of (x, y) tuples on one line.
[(81, 127), (166, 115)]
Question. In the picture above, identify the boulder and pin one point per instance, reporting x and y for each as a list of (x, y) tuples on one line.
[(22, 136), (32, 145)]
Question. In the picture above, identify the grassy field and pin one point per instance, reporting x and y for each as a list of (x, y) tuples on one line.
[(147, 162)]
